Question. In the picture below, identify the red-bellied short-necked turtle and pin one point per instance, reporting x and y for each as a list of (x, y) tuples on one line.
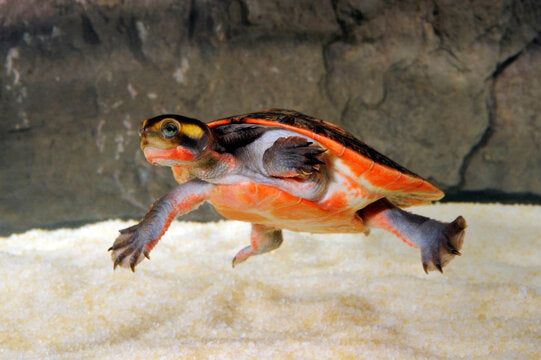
[(280, 169)]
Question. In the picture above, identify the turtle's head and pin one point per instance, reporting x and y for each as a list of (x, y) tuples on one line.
[(172, 140)]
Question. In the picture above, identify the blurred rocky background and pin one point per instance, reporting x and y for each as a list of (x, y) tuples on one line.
[(449, 88)]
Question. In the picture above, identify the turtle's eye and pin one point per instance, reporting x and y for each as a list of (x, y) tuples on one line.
[(169, 129)]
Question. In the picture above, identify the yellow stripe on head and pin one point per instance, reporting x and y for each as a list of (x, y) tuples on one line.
[(192, 131)]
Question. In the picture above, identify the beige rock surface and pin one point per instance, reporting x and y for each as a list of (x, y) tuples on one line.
[(512, 148), (319, 296)]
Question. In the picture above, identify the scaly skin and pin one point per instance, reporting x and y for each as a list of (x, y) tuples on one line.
[(135, 243), (439, 242), (286, 175)]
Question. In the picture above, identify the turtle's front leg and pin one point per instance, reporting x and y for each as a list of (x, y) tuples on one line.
[(293, 157), (136, 242), (263, 240)]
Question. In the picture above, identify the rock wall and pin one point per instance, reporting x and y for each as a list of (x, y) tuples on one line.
[(450, 89)]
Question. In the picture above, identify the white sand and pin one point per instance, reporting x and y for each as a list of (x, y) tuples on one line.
[(318, 296)]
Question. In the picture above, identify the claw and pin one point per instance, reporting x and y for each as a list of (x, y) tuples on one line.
[(120, 243), (133, 259), (145, 252), (120, 258), (242, 255), (425, 268), (453, 250), (438, 266)]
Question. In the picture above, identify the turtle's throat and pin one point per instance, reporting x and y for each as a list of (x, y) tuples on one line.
[(212, 165), (207, 165)]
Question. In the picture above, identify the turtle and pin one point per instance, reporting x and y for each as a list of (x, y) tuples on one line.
[(281, 169)]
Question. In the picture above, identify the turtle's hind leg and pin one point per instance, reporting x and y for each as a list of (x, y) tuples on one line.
[(438, 241), (263, 239)]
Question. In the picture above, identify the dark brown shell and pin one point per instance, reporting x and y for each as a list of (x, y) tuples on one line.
[(331, 131), (399, 184)]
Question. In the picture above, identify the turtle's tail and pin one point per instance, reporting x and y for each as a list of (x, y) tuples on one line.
[(438, 241)]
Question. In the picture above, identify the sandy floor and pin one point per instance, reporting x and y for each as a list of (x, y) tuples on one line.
[(318, 296)]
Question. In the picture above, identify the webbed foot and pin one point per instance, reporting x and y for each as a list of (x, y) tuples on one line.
[(445, 243), (130, 248), (292, 156), (134, 243), (438, 241)]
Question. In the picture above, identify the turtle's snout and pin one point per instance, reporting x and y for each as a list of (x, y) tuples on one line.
[(143, 128), (148, 135), (143, 135)]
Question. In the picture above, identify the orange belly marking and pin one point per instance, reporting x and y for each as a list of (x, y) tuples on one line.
[(336, 202), (267, 205)]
